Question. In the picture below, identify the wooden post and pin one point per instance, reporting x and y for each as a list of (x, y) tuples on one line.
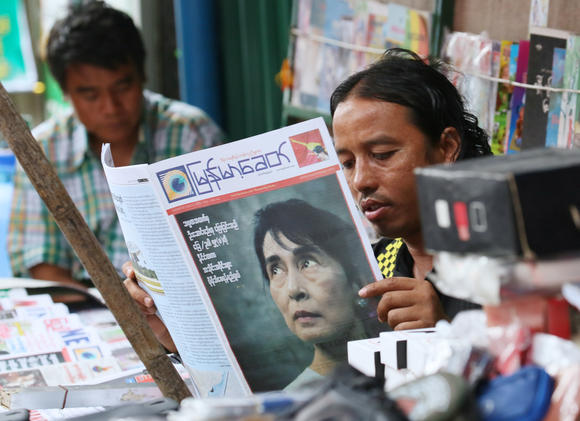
[(46, 182)]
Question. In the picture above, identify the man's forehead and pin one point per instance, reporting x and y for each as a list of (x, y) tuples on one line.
[(379, 140), (370, 119), (88, 74)]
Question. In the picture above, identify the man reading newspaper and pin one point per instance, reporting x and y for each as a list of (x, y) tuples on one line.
[(396, 115)]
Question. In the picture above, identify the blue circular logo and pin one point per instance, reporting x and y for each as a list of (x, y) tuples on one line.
[(178, 183)]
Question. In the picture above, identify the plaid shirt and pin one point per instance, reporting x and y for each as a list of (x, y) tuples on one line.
[(168, 128)]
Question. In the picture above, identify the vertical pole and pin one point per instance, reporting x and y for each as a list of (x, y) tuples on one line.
[(198, 55)]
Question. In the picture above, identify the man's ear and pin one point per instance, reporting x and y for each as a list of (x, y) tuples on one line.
[(449, 144)]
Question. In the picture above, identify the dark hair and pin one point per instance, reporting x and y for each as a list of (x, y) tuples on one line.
[(96, 34), (304, 224), (403, 78)]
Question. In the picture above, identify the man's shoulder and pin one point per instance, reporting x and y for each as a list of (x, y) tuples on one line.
[(166, 117), (63, 139), (56, 128), (171, 111)]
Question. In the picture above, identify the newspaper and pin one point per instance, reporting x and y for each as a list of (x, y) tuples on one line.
[(242, 325), (42, 344)]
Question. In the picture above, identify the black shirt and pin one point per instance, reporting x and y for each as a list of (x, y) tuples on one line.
[(395, 260)]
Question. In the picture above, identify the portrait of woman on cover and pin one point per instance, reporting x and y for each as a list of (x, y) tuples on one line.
[(308, 259)]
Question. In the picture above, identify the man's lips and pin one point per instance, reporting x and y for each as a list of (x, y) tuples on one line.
[(305, 315), (373, 209), (115, 124)]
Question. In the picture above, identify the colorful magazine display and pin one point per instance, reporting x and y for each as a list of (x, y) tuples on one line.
[(253, 252), (531, 91), (331, 32)]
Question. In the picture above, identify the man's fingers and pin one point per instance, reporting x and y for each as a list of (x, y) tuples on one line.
[(147, 306), (393, 300), (417, 307), (415, 324), (161, 332), (414, 316), (406, 316), (143, 299), (127, 269), (385, 285)]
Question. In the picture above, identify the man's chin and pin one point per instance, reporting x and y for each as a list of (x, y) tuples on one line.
[(382, 229), (387, 231), (114, 138)]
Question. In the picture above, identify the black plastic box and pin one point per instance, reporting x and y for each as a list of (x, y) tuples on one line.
[(524, 205)]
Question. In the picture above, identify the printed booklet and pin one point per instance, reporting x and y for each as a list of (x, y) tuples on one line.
[(253, 252)]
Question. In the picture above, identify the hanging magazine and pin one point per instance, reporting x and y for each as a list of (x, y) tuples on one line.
[(254, 253)]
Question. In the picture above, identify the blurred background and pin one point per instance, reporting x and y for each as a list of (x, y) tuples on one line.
[(220, 55)]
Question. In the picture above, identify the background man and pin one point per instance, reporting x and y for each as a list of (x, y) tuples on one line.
[(97, 56), (395, 116)]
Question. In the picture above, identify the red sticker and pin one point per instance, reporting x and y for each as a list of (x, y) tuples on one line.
[(461, 220)]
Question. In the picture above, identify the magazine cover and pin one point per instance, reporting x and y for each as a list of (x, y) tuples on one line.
[(570, 124), (305, 86), (541, 56), (333, 61), (254, 254), (271, 316), (407, 28), (518, 99), (472, 56), (378, 14), (553, 124), (502, 101), (479, 91)]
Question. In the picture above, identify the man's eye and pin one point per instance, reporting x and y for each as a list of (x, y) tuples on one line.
[(90, 96), (347, 165), (123, 86), (382, 155)]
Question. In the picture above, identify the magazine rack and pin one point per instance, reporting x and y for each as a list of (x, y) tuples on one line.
[(334, 67)]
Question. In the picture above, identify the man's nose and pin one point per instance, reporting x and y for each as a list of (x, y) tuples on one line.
[(109, 103), (364, 178), (296, 285)]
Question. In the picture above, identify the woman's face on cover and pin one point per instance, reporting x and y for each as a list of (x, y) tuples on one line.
[(310, 289)]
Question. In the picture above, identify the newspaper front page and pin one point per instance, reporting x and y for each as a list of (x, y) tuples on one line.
[(253, 252)]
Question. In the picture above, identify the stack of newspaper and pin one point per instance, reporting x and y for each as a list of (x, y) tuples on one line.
[(54, 360), (45, 345)]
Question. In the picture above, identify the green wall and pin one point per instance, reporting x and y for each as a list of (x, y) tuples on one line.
[(253, 42)]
